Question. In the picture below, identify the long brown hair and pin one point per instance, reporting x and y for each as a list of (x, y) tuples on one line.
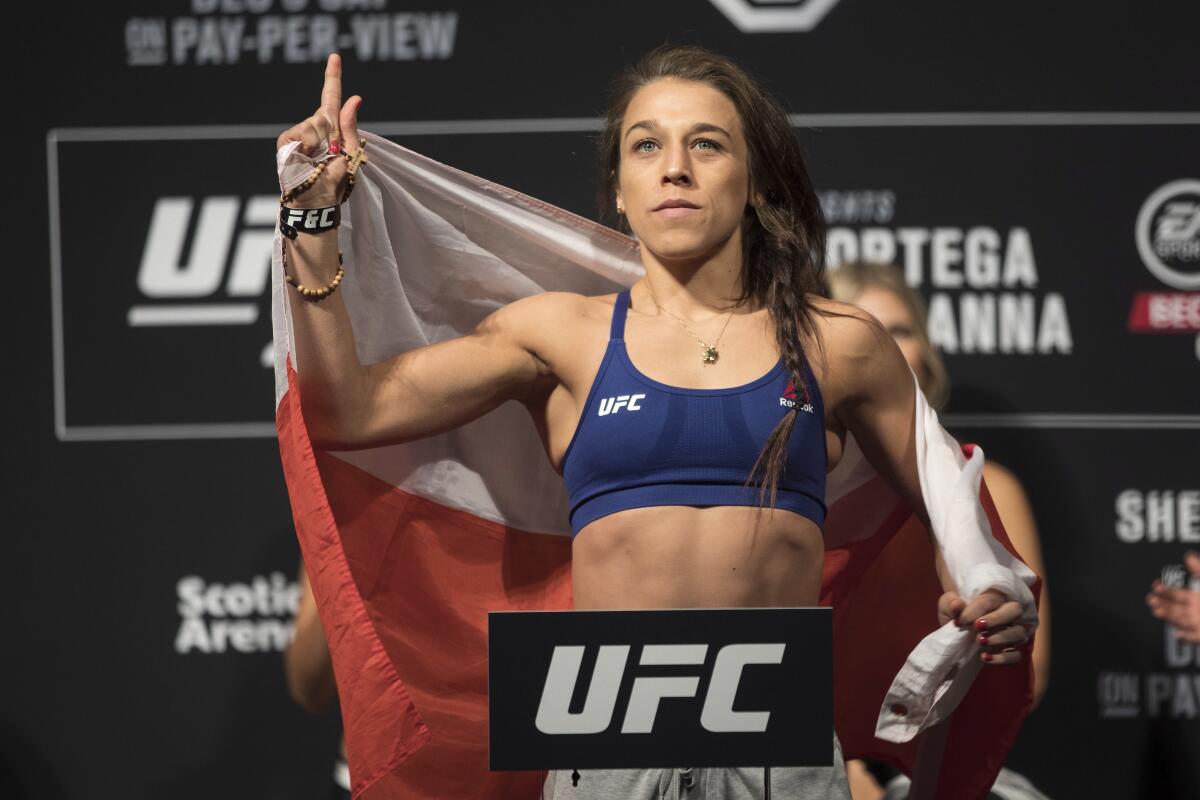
[(783, 236)]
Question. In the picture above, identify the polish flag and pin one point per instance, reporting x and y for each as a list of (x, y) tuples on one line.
[(409, 546)]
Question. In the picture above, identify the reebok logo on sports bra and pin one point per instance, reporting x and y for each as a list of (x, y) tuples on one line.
[(611, 405), (790, 399)]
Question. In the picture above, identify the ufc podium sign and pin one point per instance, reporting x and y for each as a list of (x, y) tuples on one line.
[(632, 689)]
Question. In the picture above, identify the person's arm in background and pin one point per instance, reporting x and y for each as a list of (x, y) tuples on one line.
[(1179, 606), (1015, 512), (306, 662)]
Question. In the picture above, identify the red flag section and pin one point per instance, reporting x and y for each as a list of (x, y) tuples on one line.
[(884, 592), (403, 586)]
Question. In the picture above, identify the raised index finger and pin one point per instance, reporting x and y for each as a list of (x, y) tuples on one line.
[(331, 92)]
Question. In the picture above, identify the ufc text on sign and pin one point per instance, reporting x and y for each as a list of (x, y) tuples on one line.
[(632, 689)]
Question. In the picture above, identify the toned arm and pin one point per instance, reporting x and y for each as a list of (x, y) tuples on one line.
[(874, 399), (430, 389), (875, 402)]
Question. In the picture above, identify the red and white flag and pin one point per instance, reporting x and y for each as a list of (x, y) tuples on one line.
[(409, 546)]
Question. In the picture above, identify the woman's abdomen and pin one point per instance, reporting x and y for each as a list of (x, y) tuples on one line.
[(684, 557)]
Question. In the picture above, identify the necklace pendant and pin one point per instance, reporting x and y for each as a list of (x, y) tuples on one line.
[(710, 354)]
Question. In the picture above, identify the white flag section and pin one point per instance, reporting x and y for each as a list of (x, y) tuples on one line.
[(429, 252)]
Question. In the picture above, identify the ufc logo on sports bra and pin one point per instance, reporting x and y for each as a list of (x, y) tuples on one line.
[(611, 405)]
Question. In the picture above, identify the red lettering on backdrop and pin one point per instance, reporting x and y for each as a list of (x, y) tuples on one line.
[(1165, 312)]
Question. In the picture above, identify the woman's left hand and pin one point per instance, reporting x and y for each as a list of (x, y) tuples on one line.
[(993, 619)]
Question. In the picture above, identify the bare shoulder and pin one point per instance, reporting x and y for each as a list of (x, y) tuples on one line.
[(555, 327), (855, 355), (847, 331), (547, 312)]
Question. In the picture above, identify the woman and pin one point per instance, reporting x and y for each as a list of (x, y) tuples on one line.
[(706, 171), (880, 290)]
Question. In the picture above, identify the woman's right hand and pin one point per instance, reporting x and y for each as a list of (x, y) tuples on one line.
[(334, 122)]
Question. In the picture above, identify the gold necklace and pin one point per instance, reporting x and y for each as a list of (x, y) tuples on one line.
[(710, 353)]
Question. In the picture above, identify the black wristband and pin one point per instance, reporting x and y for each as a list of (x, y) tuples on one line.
[(308, 220)]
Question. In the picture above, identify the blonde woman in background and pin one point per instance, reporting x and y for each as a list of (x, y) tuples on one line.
[(880, 290)]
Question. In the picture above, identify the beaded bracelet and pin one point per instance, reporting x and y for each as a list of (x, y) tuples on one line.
[(356, 160), (303, 186), (312, 295)]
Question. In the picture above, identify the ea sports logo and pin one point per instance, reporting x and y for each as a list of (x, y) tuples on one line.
[(775, 16), (1168, 234)]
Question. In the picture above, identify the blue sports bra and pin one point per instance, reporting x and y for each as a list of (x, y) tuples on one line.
[(643, 443)]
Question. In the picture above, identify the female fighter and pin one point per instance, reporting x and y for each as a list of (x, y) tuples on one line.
[(706, 490)]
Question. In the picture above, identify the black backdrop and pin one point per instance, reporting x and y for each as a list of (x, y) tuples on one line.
[(1004, 153)]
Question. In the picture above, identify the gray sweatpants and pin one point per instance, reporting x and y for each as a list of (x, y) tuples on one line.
[(787, 783)]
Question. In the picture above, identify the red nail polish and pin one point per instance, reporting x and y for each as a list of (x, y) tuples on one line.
[(982, 638), (335, 148), (981, 624), (987, 656)]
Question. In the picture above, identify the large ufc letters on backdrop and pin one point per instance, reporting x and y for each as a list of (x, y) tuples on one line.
[(1059, 250)]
